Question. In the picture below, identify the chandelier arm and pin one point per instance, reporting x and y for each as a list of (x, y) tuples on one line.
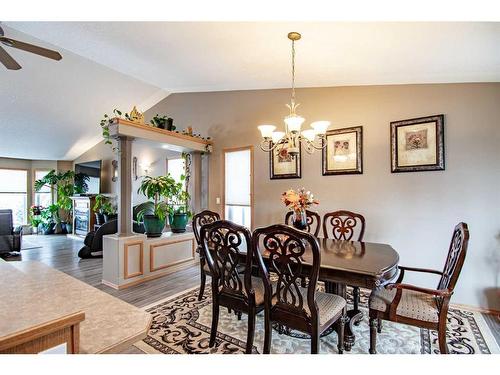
[(269, 148), (314, 146)]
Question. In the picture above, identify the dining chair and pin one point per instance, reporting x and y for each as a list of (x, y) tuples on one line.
[(417, 306), (348, 226), (224, 245), (303, 309), (313, 221), (200, 219)]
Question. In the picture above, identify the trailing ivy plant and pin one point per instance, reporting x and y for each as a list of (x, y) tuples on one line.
[(108, 120)]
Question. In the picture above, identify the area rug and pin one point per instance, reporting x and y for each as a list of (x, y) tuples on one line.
[(181, 324)]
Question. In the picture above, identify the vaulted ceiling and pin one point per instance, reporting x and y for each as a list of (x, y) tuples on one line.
[(51, 110)]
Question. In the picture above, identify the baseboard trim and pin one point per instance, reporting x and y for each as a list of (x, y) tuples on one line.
[(475, 308), (141, 280)]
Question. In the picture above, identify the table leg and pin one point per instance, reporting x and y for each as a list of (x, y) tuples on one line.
[(352, 315)]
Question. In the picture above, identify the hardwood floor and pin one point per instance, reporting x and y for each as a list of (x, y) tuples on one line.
[(60, 252)]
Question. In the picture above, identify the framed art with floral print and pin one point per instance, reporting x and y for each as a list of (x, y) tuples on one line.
[(282, 165), (343, 153), (417, 144)]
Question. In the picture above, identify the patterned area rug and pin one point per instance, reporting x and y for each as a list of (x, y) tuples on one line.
[(181, 324)]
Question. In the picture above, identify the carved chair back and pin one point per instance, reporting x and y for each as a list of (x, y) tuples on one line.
[(283, 247), (456, 257), (202, 218), (344, 225), (313, 221), (224, 245)]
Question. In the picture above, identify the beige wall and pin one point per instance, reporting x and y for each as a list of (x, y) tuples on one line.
[(414, 212)]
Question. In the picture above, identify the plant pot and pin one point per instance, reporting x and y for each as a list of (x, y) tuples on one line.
[(34, 230), (48, 228), (178, 222), (99, 218), (109, 217), (64, 230), (58, 228), (153, 226), (69, 228), (170, 124)]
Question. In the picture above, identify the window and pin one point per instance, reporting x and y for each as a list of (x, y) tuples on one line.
[(44, 196), (238, 186), (13, 193), (176, 168)]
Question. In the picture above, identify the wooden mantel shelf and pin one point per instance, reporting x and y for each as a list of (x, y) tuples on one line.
[(180, 142)]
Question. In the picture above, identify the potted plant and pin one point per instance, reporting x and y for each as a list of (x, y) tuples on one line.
[(157, 189), (49, 217), (34, 218), (98, 208), (179, 213), (163, 122), (109, 211)]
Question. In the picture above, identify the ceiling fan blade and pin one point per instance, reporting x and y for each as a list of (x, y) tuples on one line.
[(54, 55), (8, 61)]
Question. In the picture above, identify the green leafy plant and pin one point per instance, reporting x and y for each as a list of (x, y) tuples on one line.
[(106, 121), (50, 214), (156, 188), (161, 122), (66, 184), (179, 198), (100, 201)]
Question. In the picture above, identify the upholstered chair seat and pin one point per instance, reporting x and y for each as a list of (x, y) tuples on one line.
[(329, 305), (413, 305)]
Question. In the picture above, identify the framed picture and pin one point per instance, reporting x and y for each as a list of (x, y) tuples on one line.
[(282, 165), (343, 153), (417, 144)]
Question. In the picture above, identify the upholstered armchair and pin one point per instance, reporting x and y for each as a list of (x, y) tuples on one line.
[(417, 306), (10, 237)]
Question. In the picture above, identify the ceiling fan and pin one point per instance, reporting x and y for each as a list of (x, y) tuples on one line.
[(9, 62)]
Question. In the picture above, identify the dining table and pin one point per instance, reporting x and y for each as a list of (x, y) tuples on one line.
[(352, 263)]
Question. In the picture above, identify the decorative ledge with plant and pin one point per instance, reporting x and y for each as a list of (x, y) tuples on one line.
[(179, 213)]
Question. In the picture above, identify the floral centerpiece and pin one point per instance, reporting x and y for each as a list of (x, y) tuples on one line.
[(298, 202)]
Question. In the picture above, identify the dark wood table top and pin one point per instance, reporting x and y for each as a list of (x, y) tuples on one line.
[(364, 264)]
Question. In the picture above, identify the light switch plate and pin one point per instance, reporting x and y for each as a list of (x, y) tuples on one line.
[(217, 200)]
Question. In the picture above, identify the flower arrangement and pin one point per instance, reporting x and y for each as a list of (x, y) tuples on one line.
[(298, 200)]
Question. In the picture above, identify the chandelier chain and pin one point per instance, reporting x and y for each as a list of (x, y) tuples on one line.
[(293, 72)]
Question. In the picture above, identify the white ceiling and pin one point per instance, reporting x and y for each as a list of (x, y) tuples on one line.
[(51, 110), (205, 56)]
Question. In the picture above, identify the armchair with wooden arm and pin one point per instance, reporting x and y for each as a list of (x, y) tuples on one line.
[(414, 305)]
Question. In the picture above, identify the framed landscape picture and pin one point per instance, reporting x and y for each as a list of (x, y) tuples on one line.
[(417, 144), (282, 165), (343, 153)]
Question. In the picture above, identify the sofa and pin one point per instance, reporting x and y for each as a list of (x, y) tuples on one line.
[(10, 237)]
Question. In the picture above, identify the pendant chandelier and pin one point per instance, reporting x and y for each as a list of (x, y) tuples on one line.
[(291, 138)]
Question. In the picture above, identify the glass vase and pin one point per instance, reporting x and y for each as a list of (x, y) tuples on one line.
[(299, 219)]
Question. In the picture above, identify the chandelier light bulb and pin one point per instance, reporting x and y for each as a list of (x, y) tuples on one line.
[(277, 136), (294, 123), (309, 134), (320, 127), (266, 130)]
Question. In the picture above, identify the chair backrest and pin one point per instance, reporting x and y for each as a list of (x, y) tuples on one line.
[(224, 245), (313, 221), (110, 227), (202, 218), (284, 248), (6, 220), (456, 257), (344, 225)]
